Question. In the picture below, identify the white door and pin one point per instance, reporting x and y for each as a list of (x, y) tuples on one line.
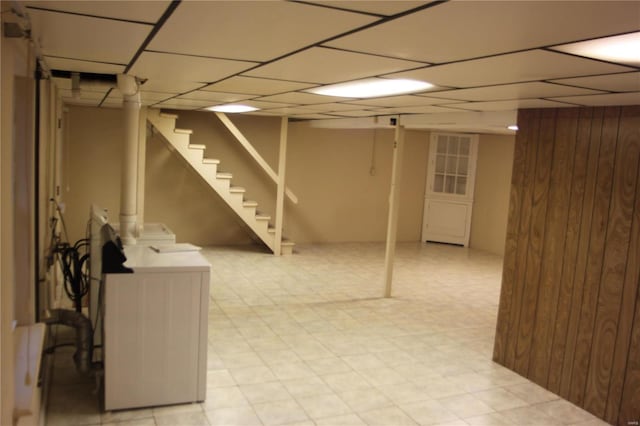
[(450, 185)]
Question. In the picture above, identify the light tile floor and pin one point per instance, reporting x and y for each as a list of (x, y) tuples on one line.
[(308, 340)]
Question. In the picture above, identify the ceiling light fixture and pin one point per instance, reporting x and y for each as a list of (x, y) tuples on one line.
[(372, 87), (232, 108), (624, 48), (513, 127)]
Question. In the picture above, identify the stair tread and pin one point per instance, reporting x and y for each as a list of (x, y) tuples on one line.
[(168, 115), (236, 189), (263, 217), (211, 161), (250, 203), (183, 131), (272, 230), (223, 175), (285, 241), (197, 146)]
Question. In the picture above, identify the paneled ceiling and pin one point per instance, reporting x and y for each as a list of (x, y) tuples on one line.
[(481, 56)]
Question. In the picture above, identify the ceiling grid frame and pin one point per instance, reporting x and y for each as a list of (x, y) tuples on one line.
[(584, 81)]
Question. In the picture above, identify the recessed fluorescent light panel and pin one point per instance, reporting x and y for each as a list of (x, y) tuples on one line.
[(231, 108), (372, 88), (624, 49)]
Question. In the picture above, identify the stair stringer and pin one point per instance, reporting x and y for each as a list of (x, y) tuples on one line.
[(179, 140)]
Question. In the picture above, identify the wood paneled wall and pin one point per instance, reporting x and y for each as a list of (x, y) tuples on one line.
[(569, 315)]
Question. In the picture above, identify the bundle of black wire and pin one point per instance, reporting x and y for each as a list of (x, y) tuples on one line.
[(73, 263)]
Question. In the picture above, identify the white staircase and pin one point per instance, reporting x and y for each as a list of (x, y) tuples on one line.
[(220, 182)]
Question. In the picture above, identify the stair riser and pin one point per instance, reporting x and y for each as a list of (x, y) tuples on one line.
[(263, 226), (223, 184), (180, 141), (236, 199), (195, 156), (164, 126), (248, 212), (208, 169)]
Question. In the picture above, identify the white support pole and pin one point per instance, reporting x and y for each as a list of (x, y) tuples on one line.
[(142, 160), (282, 160), (128, 197), (394, 204)]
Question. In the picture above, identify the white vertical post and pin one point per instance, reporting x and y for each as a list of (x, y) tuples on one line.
[(394, 204), (282, 160), (142, 160), (131, 107)]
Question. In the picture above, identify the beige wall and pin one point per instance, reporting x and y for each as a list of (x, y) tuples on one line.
[(340, 200), (91, 158), (329, 170), (491, 204), (14, 66)]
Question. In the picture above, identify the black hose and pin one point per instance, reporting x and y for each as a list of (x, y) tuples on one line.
[(74, 266)]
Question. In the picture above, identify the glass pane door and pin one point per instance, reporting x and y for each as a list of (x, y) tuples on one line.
[(452, 164)]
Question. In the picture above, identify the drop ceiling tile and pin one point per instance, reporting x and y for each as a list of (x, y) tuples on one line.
[(214, 96), (147, 98), (170, 86), (631, 98), (116, 96), (384, 8), (414, 110), (322, 65), (359, 113), (155, 96), (513, 91), (290, 110), (265, 105), (398, 101), (251, 30), (262, 113), (143, 11), (312, 116), (167, 66), (86, 38), (335, 107), (508, 105), (169, 107), (627, 82), (186, 103), (301, 98), (513, 68), (256, 86), (495, 27), (82, 66)]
